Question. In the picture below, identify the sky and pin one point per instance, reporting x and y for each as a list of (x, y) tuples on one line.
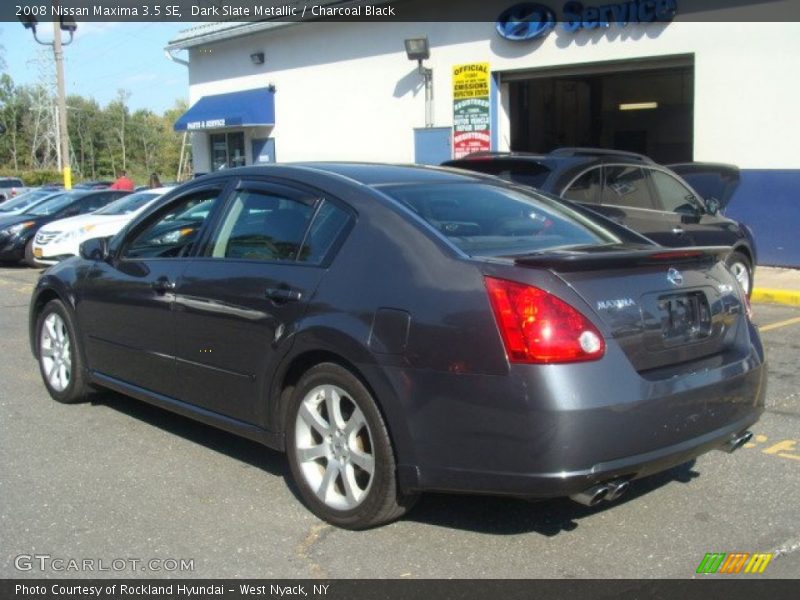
[(103, 58)]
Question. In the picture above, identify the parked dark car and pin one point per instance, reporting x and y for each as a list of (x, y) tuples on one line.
[(402, 329), (18, 231), (633, 190)]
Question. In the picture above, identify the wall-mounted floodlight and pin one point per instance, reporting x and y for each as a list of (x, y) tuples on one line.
[(257, 58), (419, 49)]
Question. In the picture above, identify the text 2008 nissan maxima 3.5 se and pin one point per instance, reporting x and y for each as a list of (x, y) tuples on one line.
[(401, 329)]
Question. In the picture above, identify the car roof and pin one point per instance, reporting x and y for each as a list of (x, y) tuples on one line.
[(371, 174)]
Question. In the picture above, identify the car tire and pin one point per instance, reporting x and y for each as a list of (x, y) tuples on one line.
[(742, 269), (60, 361), (331, 461), (29, 260)]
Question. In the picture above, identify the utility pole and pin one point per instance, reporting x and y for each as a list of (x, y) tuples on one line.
[(64, 23), (61, 101)]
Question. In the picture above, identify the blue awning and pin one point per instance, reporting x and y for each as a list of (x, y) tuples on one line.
[(250, 108)]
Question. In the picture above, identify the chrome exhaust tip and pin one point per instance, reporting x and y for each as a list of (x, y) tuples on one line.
[(736, 442), (616, 489), (591, 496)]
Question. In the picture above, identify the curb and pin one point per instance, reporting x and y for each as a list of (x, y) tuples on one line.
[(788, 297)]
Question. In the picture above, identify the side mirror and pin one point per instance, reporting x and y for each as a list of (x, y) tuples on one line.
[(95, 249), (712, 206)]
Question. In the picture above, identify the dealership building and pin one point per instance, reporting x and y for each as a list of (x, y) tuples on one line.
[(649, 76)]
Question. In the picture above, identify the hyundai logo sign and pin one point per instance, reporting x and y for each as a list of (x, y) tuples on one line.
[(525, 21), (528, 21)]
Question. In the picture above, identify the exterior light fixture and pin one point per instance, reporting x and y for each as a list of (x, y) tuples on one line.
[(257, 58), (419, 49), (68, 24), (65, 23), (638, 106)]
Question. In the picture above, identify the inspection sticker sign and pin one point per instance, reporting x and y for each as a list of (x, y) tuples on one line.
[(471, 122)]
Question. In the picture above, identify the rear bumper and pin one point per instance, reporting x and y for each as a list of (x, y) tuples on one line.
[(567, 483), (559, 429)]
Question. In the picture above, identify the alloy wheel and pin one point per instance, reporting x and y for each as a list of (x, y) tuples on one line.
[(55, 352), (334, 447)]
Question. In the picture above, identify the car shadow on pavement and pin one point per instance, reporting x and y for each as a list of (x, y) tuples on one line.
[(229, 444), (511, 516), (481, 514)]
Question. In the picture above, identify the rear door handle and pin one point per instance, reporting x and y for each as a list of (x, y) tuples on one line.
[(678, 230), (162, 285), (283, 294)]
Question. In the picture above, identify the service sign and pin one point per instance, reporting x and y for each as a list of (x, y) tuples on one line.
[(207, 124), (471, 117)]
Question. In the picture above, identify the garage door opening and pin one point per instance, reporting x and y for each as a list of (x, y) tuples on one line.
[(648, 111)]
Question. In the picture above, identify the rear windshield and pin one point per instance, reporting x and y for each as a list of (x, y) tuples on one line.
[(128, 204), (526, 172), (490, 220), (7, 183)]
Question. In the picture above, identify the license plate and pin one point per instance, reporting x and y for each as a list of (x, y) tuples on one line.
[(37, 252), (684, 317)]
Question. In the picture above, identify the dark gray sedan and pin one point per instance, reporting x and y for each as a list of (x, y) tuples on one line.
[(402, 329)]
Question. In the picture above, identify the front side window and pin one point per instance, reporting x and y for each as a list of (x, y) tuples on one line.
[(627, 186), (173, 230), (673, 195), (489, 220), (262, 225)]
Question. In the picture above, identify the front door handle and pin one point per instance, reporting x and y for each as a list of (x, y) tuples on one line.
[(163, 285), (283, 294), (678, 230)]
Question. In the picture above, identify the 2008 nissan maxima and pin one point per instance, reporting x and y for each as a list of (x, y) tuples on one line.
[(401, 329)]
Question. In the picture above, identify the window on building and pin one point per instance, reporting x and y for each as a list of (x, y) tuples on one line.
[(227, 150)]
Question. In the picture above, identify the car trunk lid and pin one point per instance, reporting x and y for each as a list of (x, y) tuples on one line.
[(662, 306)]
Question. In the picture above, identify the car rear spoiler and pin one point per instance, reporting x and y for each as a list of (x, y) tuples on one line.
[(589, 259)]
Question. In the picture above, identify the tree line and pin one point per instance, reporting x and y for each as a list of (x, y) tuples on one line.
[(103, 139)]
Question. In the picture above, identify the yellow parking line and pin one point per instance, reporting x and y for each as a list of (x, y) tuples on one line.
[(793, 321)]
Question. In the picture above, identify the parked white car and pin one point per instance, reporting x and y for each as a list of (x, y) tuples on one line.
[(61, 239)]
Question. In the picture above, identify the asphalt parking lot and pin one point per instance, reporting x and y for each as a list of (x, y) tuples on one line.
[(116, 479)]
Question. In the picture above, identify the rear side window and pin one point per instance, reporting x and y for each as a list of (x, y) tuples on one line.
[(328, 225), (627, 186), (488, 220), (585, 188), (525, 172), (261, 225)]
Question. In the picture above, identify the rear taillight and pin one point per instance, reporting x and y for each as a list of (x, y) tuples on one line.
[(538, 327)]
